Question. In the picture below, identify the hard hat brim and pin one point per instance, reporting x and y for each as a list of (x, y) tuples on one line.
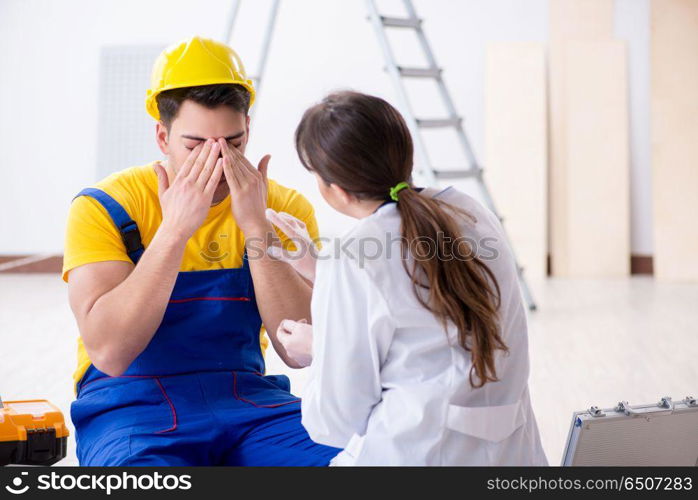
[(151, 99)]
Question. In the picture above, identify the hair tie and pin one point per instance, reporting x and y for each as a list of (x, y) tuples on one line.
[(397, 188)]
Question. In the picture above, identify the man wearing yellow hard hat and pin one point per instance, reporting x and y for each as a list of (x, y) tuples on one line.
[(170, 284)]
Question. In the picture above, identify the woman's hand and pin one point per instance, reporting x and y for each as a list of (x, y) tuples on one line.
[(297, 339), (303, 259)]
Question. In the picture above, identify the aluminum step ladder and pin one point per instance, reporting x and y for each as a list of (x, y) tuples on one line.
[(425, 172), (258, 79)]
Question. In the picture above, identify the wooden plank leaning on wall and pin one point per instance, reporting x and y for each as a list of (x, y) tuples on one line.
[(516, 147), (674, 87), (596, 158), (579, 20)]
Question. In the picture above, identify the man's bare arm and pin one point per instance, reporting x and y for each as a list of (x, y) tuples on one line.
[(281, 292), (119, 307)]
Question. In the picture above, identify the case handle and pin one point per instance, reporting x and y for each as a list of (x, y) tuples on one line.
[(666, 403)]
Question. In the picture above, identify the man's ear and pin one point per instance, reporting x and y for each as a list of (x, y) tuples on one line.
[(162, 137)]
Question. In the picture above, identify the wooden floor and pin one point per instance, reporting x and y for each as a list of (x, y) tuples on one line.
[(591, 343)]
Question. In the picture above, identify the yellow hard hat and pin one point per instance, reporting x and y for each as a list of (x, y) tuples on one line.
[(193, 62)]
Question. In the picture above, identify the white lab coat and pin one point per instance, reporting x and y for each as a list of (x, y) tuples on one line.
[(387, 384)]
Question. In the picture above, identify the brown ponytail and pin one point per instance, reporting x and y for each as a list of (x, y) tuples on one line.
[(362, 144)]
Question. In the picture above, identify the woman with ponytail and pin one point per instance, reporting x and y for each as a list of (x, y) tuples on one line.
[(418, 347)]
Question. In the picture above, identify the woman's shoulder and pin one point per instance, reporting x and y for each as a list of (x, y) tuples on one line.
[(372, 231), (464, 201)]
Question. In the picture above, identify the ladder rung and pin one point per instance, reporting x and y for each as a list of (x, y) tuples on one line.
[(401, 22), (420, 72), (439, 123), (457, 174)]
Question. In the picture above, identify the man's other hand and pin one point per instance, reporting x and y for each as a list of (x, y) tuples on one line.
[(248, 189)]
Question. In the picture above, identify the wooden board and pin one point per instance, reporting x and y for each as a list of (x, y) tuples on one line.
[(568, 20), (596, 160), (580, 19), (516, 147), (674, 70)]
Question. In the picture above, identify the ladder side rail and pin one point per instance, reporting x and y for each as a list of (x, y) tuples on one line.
[(232, 17), (266, 43), (424, 171), (443, 90), (489, 201), (467, 148)]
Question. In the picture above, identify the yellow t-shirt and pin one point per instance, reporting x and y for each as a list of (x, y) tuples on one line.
[(91, 235)]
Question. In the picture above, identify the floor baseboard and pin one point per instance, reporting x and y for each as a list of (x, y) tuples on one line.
[(43, 263), (639, 264)]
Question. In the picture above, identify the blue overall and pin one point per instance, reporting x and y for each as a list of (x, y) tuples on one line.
[(197, 394)]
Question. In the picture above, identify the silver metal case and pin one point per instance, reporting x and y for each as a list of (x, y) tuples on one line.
[(663, 434)]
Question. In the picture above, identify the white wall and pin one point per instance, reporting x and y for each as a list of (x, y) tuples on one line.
[(49, 86)]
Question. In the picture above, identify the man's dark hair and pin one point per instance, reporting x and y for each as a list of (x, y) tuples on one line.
[(211, 96)]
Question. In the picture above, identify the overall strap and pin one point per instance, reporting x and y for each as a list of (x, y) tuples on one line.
[(128, 228)]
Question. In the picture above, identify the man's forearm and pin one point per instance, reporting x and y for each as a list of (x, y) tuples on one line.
[(281, 293), (122, 322)]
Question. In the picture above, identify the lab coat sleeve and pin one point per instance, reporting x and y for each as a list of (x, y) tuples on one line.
[(352, 330)]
